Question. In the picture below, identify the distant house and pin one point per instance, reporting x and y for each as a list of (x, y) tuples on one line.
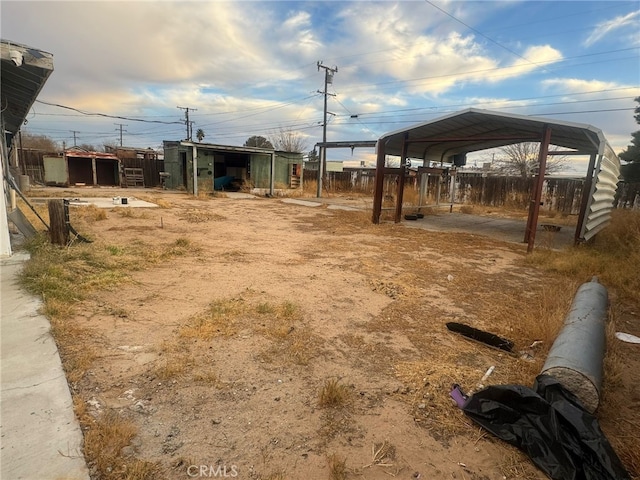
[(77, 167), (198, 167), (332, 166)]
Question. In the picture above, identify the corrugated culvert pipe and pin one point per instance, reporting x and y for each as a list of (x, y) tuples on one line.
[(576, 357)]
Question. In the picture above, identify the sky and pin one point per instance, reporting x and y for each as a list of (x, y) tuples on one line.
[(251, 68)]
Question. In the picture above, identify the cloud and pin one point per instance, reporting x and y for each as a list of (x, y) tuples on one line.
[(608, 26), (578, 85)]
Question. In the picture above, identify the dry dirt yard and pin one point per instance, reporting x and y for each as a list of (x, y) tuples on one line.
[(306, 343)]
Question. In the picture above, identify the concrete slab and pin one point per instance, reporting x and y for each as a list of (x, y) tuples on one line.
[(343, 207), (505, 229), (100, 202), (239, 195), (40, 435), (304, 203), (114, 202)]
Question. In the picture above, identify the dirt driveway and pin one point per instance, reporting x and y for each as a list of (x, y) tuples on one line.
[(305, 343)]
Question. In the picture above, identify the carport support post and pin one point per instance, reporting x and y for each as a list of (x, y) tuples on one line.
[(452, 188), (195, 170), (379, 185), (273, 169), (423, 187), (321, 173), (403, 165), (534, 208)]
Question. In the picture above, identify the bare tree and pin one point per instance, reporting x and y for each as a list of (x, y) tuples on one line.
[(288, 141), (522, 159), (39, 142)]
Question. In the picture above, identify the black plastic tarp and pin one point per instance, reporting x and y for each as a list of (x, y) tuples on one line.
[(551, 426)]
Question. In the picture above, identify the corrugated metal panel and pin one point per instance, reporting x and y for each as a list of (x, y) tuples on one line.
[(602, 194), (55, 171)]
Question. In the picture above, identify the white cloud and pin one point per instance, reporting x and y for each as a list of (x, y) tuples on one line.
[(608, 26), (578, 85)]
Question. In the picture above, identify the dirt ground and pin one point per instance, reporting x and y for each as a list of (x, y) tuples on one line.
[(220, 356)]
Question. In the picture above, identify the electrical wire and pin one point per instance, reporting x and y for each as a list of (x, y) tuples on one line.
[(105, 115)]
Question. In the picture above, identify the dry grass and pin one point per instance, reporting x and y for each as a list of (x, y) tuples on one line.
[(613, 258), (104, 440), (334, 394), (337, 467), (198, 215), (295, 345), (410, 197), (468, 209), (515, 464), (161, 202), (383, 454), (172, 367), (88, 213), (220, 320), (293, 342)]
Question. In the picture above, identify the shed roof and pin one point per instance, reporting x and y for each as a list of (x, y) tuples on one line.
[(475, 129), (220, 148), (22, 80), (88, 154)]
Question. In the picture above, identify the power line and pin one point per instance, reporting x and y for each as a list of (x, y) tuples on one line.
[(482, 34), (104, 114)]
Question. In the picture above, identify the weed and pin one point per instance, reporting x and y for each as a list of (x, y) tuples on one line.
[(265, 308), (125, 212), (613, 257), (333, 394), (160, 202), (115, 250), (178, 248), (206, 376), (293, 345), (90, 213), (172, 367), (104, 440), (182, 242), (468, 209), (220, 319), (194, 215), (337, 467)]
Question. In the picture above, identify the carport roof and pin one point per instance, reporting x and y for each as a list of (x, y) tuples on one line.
[(475, 129), (22, 83)]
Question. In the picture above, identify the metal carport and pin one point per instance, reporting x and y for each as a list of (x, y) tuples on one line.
[(473, 129)]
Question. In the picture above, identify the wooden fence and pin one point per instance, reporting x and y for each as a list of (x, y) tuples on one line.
[(563, 195)]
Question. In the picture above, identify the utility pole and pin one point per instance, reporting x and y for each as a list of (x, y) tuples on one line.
[(74, 137), (121, 125), (190, 129), (322, 164), (186, 119)]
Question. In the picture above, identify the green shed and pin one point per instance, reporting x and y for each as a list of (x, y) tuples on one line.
[(204, 167)]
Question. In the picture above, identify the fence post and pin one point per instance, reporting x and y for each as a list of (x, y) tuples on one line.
[(58, 227)]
